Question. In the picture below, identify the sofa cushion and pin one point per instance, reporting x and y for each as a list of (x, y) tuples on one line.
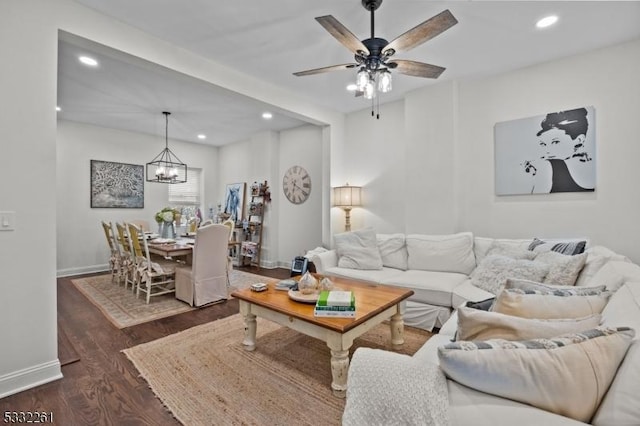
[(481, 245), (510, 250), (466, 292), (476, 324), (549, 305), (597, 257), (442, 253), (432, 287), (615, 273), (569, 247), (471, 407), (393, 250), (358, 249), (620, 404), (492, 273), (372, 276), (567, 375), (563, 269)]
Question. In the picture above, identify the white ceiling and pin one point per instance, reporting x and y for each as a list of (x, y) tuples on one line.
[(272, 39)]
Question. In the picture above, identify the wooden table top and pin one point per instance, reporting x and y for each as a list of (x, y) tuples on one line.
[(371, 299)]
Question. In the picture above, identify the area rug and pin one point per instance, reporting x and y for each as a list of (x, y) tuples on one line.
[(204, 376), (123, 309)]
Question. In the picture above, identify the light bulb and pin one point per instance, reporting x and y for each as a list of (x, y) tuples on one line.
[(173, 173), (160, 171), (362, 79), (384, 81), (369, 90)]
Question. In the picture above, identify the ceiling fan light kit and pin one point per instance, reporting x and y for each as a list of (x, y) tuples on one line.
[(373, 55)]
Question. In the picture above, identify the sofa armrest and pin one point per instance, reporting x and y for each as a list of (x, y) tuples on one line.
[(389, 388), (325, 260)]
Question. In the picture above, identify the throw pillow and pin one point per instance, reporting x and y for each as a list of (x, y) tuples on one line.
[(549, 305), (563, 269), (442, 253), (474, 324), (553, 289), (393, 250), (567, 375), (565, 247), (492, 273), (358, 249), (510, 250)]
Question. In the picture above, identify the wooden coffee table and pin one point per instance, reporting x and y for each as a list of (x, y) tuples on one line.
[(374, 304)]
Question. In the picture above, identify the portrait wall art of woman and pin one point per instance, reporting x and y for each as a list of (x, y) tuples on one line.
[(558, 156)]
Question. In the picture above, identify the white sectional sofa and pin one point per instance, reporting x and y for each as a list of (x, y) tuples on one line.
[(390, 388), (436, 267)]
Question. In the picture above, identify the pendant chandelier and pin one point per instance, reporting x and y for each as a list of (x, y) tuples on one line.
[(166, 167)]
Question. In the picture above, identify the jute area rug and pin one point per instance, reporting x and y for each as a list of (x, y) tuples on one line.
[(123, 309), (204, 376)]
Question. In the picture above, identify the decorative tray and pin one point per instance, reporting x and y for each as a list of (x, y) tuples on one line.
[(303, 298)]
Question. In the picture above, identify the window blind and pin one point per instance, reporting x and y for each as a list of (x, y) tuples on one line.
[(187, 193)]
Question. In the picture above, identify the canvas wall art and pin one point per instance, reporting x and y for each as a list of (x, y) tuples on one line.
[(554, 152), (117, 185), (234, 201)]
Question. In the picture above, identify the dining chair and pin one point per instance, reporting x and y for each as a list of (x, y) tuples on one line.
[(207, 279), (156, 278), (114, 250), (126, 255), (143, 225), (140, 261)]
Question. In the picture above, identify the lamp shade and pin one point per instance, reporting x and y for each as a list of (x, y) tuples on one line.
[(347, 196)]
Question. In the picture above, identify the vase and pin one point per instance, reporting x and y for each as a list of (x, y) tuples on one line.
[(167, 230)]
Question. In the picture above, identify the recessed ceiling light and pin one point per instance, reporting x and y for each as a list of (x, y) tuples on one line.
[(352, 87), (58, 109), (201, 136), (267, 115), (547, 21), (88, 61)]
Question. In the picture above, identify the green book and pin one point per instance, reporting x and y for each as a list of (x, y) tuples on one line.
[(336, 298)]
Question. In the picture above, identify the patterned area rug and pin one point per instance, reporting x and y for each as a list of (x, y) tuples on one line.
[(204, 376), (123, 309)]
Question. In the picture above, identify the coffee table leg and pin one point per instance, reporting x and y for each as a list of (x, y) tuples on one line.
[(397, 328), (339, 365), (250, 326)]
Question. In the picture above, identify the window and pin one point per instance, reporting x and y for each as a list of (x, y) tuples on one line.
[(187, 196)]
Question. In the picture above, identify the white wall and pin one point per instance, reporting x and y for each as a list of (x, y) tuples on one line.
[(606, 79), (81, 246), (289, 230), (300, 224)]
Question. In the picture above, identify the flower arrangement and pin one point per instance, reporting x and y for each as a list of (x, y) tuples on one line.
[(167, 214)]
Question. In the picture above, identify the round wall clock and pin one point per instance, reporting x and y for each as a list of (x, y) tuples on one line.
[(296, 185)]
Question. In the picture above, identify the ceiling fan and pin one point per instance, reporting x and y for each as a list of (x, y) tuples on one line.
[(374, 55)]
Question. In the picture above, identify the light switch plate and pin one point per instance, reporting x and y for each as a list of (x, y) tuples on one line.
[(7, 221)]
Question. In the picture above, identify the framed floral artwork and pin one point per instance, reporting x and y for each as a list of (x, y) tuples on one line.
[(117, 185)]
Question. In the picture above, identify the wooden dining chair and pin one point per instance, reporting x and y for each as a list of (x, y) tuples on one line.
[(126, 255), (157, 278), (114, 250), (140, 261)]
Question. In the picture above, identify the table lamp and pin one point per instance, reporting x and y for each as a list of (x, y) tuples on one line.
[(346, 197)]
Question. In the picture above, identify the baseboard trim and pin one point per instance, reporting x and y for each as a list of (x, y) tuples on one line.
[(81, 270), (28, 378)]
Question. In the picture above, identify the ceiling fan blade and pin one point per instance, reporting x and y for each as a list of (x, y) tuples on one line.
[(416, 69), (342, 34), (324, 69), (422, 32)]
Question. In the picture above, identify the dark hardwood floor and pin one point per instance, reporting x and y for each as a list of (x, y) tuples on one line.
[(103, 387)]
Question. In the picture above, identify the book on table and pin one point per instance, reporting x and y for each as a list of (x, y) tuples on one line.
[(339, 304)]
